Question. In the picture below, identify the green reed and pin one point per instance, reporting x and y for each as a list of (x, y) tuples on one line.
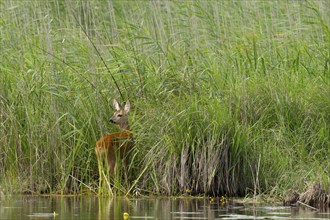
[(229, 97)]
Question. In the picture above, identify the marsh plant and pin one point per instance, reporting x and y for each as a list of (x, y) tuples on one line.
[(227, 97)]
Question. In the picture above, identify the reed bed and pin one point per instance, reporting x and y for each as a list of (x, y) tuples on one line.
[(228, 97)]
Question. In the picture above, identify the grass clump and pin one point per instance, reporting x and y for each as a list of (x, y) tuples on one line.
[(228, 97)]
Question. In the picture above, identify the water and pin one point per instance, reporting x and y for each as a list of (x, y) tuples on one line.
[(94, 208)]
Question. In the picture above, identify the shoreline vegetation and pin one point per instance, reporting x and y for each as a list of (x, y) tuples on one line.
[(229, 98)]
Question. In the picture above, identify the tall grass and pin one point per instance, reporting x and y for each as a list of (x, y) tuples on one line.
[(229, 97)]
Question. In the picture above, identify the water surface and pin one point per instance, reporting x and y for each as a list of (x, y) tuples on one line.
[(93, 208)]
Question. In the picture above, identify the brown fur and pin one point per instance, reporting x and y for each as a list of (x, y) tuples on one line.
[(114, 146)]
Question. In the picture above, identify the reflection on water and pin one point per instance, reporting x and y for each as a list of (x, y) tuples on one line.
[(84, 207)]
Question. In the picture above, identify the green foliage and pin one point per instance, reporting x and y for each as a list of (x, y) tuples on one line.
[(229, 97)]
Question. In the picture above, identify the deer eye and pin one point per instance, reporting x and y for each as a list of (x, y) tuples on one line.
[(119, 115)]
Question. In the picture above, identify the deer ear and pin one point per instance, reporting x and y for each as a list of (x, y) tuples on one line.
[(116, 105), (127, 106)]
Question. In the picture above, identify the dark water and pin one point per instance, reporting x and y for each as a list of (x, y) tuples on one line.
[(84, 207)]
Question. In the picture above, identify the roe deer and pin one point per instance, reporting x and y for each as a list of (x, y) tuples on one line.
[(114, 146)]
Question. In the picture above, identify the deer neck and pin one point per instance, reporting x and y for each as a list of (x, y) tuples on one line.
[(124, 127)]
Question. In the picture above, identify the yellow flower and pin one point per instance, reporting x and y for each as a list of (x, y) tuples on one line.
[(126, 216)]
